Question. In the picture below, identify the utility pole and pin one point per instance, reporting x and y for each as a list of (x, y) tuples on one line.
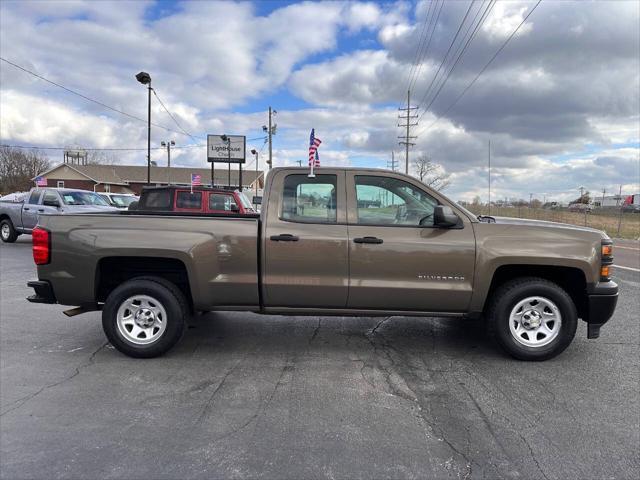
[(620, 217), (270, 162), (392, 164), (581, 193), (270, 130), (489, 174), (407, 117), (602, 203), (530, 199)]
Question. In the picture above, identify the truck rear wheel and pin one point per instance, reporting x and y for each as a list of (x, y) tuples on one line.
[(144, 317), (532, 318), (8, 233)]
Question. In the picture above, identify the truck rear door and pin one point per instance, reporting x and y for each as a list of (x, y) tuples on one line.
[(306, 243), (398, 259)]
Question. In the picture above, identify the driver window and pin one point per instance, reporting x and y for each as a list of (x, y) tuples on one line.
[(390, 201)]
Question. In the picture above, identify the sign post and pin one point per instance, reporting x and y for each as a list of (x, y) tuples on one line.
[(227, 149)]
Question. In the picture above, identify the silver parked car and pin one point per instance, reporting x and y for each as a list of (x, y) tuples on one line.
[(18, 217), (119, 200)]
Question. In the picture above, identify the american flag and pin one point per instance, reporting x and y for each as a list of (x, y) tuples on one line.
[(196, 179), (314, 143), (41, 182)]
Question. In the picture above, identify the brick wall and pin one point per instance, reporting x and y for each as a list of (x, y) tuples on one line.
[(81, 184), (87, 185)]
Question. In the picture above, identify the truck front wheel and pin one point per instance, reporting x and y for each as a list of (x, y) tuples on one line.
[(532, 318), (8, 233), (144, 317)]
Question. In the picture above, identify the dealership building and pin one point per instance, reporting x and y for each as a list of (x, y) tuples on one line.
[(131, 178)]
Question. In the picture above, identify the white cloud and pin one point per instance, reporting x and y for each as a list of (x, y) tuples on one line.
[(569, 82)]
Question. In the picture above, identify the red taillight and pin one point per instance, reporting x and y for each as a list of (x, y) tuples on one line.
[(41, 246)]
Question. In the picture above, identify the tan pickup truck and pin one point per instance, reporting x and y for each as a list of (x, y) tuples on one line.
[(346, 242)]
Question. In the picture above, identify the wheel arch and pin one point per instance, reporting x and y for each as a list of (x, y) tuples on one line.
[(571, 279), (114, 270)]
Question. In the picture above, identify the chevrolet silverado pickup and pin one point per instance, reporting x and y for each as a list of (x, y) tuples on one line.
[(344, 242)]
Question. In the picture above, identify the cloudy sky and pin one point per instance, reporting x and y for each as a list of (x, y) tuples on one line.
[(560, 103)]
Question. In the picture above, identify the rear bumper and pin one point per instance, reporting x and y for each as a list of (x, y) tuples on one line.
[(43, 292), (603, 298)]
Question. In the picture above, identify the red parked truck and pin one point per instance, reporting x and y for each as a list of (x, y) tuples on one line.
[(173, 198)]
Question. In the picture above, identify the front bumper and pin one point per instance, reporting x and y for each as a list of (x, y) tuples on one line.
[(43, 292), (603, 297)]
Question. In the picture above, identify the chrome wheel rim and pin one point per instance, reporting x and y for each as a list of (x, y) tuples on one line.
[(6, 231), (141, 319), (535, 321)]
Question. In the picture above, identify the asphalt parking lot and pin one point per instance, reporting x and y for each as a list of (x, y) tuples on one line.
[(247, 396)]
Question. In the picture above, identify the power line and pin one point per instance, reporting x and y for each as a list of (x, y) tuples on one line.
[(97, 102), (426, 49), (446, 55), (420, 46), (466, 89), (172, 117), (96, 149), (462, 51), (114, 149)]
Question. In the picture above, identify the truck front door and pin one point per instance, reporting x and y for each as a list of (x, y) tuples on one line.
[(398, 259), (30, 210), (306, 246)]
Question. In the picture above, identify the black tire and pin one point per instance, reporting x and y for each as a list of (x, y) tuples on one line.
[(508, 295), (8, 233), (161, 291)]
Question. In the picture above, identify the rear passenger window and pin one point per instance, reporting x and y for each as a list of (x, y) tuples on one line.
[(311, 200), (221, 201), (189, 200), (34, 197), (160, 199)]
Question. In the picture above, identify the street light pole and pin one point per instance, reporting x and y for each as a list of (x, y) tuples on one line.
[(227, 139), (255, 152), (145, 79), (168, 144)]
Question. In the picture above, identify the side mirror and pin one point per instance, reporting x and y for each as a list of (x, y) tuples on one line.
[(235, 208), (133, 205), (443, 216), (51, 203)]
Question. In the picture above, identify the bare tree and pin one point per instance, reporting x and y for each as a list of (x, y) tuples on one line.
[(429, 173), (18, 167), (584, 198)]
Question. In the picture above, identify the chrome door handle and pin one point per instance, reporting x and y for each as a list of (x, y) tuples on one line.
[(373, 240)]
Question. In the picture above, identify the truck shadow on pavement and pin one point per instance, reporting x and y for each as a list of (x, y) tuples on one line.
[(452, 337)]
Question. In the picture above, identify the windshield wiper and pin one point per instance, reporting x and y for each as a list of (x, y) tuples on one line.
[(486, 218)]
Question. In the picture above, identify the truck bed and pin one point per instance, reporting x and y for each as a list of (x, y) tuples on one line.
[(218, 253)]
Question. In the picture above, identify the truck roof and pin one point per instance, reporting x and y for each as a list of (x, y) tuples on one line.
[(216, 188)]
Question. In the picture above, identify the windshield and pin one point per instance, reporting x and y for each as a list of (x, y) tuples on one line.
[(122, 200), (244, 200), (82, 198)]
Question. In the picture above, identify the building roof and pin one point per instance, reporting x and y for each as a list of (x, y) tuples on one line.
[(127, 174)]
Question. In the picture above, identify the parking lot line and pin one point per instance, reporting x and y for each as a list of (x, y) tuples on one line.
[(627, 268)]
